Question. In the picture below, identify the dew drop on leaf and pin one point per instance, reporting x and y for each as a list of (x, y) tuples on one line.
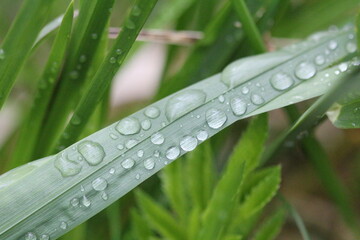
[(238, 106), (85, 201), (152, 112), (74, 202), (63, 225), (221, 98), (332, 45), (131, 143), (2, 54), (30, 236), (319, 60), (257, 99), (140, 153), (128, 163), (146, 124), (92, 152), (245, 90), (45, 237), (215, 118), (149, 163), (188, 143), (281, 81), (66, 166), (99, 184), (202, 135), (128, 126), (172, 153), (157, 138), (104, 196), (305, 70)]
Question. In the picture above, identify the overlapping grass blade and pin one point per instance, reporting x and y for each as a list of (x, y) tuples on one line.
[(19, 41), (271, 227), (104, 166)]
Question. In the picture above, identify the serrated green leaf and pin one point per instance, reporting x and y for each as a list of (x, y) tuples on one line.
[(159, 218), (271, 227), (260, 194)]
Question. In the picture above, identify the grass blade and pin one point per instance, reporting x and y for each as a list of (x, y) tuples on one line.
[(271, 227)]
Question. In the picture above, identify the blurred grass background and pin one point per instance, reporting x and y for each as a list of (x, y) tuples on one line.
[(156, 69)]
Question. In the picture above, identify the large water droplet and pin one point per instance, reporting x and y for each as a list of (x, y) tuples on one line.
[(66, 166), (184, 102), (257, 99), (351, 47), (30, 236), (188, 143), (157, 138), (131, 143), (99, 184), (202, 135), (152, 112), (91, 151), (85, 201), (215, 118), (281, 81), (128, 126), (305, 70), (149, 163), (172, 153), (63, 225), (238, 106), (128, 163), (241, 71), (146, 124)]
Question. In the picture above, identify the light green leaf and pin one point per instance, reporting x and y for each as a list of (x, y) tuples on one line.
[(271, 227), (140, 227)]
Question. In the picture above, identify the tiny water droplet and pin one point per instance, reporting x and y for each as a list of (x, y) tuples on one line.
[(104, 196), (45, 237), (85, 201), (257, 99), (157, 138), (245, 90), (172, 153), (343, 67), (128, 163), (221, 98), (319, 60), (238, 106), (75, 120), (82, 188), (131, 143), (188, 143), (281, 81), (99, 184), (94, 36), (332, 45), (215, 118), (351, 47), (305, 70), (74, 74), (149, 163), (202, 135), (63, 225), (30, 236), (82, 59), (136, 11), (140, 153), (128, 126), (2, 54), (92, 152), (118, 51), (74, 202), (113, 136), (337, 72), (130, 24), (146, 124), (112, 60), (152, 112), (156, 153), (137, 176), (112, 170), (120, 147)]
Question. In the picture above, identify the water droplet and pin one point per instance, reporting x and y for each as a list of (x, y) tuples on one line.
[(257, 99), (30, 236), (128, 163), (112, 60), (104, 196), (113, 136), (343, 67), (172, 153), (75, 120), (137, 176), (319, 60), (337, 72), (332, 45), (188, 143), (2, 54), (66, 166), (221, 98), (281, 81), (156, 153), (63, 225), (99, 184), (152, 112), (130, 24), (146, 124), (45, 237), (85, 201), (239, 71), (184, 102), (238, 106), (128, 126), (140, 153), (149, 163), (157, 138), (74, 202), (215, 118), (82, 59), (305, 70), (82, 188), (112, 170), (136, 11), (94, 36), (120, 147), (351, 47), (245, 90), (202, 135), (92, 152), (74, 74), (131, 143)]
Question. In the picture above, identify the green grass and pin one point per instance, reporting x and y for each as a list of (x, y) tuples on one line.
[(229, 172)]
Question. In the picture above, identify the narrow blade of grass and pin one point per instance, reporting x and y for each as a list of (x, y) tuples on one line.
[(271, 227)]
